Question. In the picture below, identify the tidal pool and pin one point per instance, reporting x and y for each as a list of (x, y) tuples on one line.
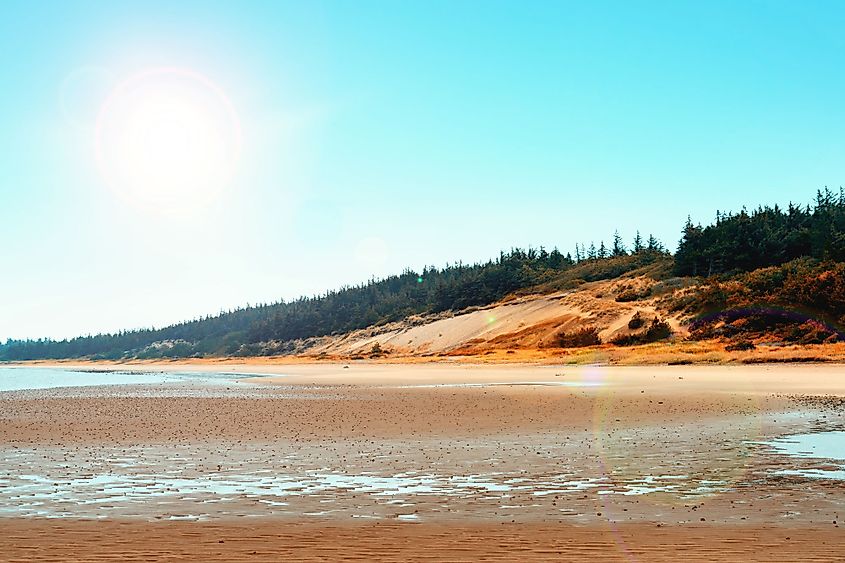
[(828, 445)]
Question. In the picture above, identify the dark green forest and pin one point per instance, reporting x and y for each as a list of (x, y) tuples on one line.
[(728, 249), (768, 236)]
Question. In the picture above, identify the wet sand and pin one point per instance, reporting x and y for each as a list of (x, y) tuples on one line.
[(425, 461), (44, 540)]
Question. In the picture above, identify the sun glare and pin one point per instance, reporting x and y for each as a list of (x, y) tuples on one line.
[(168, 139)]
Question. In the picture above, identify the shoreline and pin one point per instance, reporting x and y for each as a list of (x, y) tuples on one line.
[(798, 378), (685, 353)]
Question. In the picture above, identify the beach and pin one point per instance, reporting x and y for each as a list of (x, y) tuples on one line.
[(432, 461), (270, 541)]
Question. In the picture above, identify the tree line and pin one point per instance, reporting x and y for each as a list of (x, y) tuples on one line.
[(768, 236)]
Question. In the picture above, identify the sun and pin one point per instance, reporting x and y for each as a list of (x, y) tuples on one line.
[(168, 139)]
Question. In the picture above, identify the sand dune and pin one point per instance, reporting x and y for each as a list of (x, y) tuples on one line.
[(534, 321)]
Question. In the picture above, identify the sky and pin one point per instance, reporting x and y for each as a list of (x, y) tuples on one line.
[(160, 161)]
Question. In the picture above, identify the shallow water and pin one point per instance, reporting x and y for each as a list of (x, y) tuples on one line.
[(829, 445), (24, 378), (121, 493), (632, 473), (216, 480), (819, 445), (537, 475)]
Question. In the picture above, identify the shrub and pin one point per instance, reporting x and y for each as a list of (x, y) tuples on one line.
[(657, 330), (740, 346), (633, 294), (637, 321), (814, 332), (580, 338), (754, 323)]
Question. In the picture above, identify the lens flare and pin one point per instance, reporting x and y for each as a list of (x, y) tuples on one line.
[(656, 452), (168, 139), (709, 456)]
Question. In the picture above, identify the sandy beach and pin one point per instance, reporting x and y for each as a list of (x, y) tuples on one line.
[(269, 541), (431, 461), (422, 281)]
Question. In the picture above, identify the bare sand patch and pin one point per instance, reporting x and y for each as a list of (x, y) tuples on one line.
[(262, 540)]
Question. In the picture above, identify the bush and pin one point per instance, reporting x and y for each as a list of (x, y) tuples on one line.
[(637, 321), (814, 332), (376, 350), (633, 294), (740, 346), (657, 330), (580, 338), (772, 324)]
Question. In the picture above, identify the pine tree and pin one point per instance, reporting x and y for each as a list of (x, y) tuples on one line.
[(602, 251), (638, 243), (689, 255), (653, 245), (618, 247)]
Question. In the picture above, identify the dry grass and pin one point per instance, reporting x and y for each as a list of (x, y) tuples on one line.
[(663, 353), (710, 352)]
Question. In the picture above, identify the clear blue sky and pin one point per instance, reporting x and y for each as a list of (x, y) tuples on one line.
[(380, 135)]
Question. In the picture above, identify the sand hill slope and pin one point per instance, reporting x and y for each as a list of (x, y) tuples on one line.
[(534, 321)]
